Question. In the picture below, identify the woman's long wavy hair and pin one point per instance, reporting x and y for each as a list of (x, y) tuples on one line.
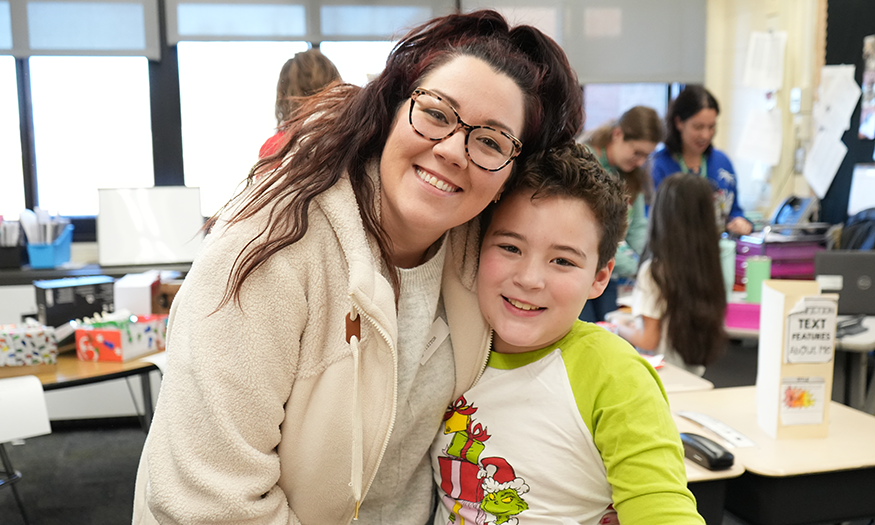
[(685, 264), (338, 131), (637, 123)]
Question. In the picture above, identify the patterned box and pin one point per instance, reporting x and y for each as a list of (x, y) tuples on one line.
[(121, 340)]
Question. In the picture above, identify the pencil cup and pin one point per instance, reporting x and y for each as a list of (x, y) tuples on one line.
[(46, 256), (757, 269)]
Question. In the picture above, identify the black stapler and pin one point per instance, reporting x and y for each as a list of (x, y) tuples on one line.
[(706, 452)]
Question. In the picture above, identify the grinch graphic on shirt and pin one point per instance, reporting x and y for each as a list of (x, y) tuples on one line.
[(478, 490)]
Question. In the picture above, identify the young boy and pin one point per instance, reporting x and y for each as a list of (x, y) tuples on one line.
[(567, 419)]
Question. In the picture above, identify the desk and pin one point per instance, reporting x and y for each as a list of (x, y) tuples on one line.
[(709, 486), (741, 323), (793, 482), (676, 379), (70, 372)]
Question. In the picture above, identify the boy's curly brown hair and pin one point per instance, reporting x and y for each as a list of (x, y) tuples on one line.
[(573, 171)]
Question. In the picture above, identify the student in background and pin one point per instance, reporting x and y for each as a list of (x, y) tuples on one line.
[(305, 74), (679, 300), (622, 148), (302, 382), (690, 123), (567, 419)]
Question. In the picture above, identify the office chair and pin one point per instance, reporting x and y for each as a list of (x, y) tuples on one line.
[(23, 414)]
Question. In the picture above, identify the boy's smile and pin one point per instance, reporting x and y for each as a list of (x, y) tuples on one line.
[(538, 266)]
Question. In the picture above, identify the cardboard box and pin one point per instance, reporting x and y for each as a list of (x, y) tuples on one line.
[(121, 340), (62, 300), (136, 292), (30, 346)]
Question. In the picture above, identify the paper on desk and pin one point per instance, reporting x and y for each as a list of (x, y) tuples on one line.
[(811, 326), (764, 65), (761, 139), (823, 161), (802, 400)]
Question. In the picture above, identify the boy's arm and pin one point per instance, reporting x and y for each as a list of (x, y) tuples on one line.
[(623, 403)]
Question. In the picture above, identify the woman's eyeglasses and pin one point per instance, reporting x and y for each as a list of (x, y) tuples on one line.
[(434, 119)]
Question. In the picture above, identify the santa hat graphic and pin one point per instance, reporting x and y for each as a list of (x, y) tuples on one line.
[(499, 475)]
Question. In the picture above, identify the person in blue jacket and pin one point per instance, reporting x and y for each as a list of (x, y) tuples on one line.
[(691, 122)]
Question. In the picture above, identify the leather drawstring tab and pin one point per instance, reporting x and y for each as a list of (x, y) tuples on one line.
[(353, 326)]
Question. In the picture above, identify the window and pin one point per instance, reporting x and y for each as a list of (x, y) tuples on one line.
[(357, 62), (604, 102), (11, 176), (92, 129), (227, 92)]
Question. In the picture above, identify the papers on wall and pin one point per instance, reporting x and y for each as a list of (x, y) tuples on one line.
[(764, 66), (823, 161), (832, 112), (761, 139)]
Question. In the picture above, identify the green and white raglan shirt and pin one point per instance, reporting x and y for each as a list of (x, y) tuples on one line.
[(557, 435)]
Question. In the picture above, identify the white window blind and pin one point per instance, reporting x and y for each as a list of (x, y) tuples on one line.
[(83, 28), (619, 41), (308, 20)]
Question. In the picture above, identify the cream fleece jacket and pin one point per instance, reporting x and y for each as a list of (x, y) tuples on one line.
[(255, 422)]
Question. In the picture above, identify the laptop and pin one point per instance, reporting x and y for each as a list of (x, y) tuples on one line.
[(851, 274)]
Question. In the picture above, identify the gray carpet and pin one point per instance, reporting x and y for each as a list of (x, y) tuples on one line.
[(76, 476)]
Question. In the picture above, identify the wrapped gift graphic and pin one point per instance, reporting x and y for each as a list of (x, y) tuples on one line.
[(468, 444), (459, 479), (458, 416)]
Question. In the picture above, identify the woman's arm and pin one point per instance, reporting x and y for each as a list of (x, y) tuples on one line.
[(211, 454), (642, 332)]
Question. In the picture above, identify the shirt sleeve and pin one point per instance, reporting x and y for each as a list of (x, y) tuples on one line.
[(623, 402), (721, 161), (646, 299)]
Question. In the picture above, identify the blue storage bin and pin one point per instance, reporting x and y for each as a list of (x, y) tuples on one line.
[(47, 256)]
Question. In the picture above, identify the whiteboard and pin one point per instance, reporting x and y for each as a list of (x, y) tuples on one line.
[(160, 225)]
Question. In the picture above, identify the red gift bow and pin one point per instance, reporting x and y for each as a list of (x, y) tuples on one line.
[(461, 407)]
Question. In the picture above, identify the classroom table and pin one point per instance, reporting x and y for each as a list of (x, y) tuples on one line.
[(676, 379), (742, 322), (792, 481), (708, 486), (70, 372)]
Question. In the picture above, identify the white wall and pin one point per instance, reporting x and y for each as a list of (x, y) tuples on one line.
[(730, 24)]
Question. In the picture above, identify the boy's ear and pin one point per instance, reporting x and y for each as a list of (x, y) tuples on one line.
[(601, 280)]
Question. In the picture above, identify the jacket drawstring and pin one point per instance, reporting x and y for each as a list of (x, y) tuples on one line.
[(353, 335)]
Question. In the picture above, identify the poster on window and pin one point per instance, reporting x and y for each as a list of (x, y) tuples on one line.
[(867, 104)]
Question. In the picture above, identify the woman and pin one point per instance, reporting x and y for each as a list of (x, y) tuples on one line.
[(679, 303), (622, 147), (305, 74), (330, 319), (691, 122)]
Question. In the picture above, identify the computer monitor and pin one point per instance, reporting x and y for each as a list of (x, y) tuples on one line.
[(143, 226), (862, 195)]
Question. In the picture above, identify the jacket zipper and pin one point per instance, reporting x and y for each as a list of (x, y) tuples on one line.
[(386, 338)]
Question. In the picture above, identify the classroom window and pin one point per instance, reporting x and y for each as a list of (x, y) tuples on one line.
[(357, 62), (604, 102), (227, 92), (92, 129), (11, 177)]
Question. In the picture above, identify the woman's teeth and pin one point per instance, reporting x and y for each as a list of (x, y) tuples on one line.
[(523, 306), (434, 181)]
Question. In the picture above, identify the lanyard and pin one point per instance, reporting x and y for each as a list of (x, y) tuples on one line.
[(703, 166)]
